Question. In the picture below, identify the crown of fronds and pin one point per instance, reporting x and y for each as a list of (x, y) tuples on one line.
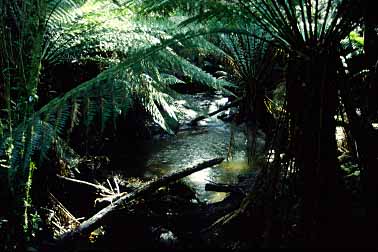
[(247, 54), (295, 25)]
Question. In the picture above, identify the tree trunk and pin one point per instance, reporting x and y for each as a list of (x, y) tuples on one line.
[(312, 100)]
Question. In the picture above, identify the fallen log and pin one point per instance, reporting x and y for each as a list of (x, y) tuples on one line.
[(234, 103), (94, 222)]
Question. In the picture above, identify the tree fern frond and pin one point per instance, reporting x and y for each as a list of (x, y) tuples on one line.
[(62, 11), (152, 108), (167, 7), (47, 138), (123, 98), (66, 153), (197, 74), (246, 53), (170, 79), (106, 109), (37, 136), (90, 110)]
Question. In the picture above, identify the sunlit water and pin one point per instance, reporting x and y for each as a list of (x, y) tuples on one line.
[(191, 145)]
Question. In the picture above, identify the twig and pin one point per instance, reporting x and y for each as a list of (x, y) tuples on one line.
[(98, 188)]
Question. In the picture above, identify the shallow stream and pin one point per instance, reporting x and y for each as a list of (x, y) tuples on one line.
[(193, 144)]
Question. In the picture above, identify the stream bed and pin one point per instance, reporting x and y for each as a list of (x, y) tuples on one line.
[(193, 144)]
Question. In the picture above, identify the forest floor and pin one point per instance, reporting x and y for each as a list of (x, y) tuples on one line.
[(170, 218)]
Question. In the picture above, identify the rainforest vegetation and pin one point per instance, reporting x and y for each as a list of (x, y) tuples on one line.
[(122, 121)]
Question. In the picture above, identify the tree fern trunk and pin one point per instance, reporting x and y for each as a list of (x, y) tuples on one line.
[(312, 101)]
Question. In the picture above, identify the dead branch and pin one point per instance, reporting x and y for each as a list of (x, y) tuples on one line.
[(97, 188), (123, 199)]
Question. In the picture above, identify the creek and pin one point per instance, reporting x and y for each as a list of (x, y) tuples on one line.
[(192, 144)]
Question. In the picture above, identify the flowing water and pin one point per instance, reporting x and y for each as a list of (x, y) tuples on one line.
[(191, 145)]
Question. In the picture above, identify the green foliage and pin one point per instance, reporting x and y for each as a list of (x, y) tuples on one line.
[(142, 60), (352, 45), (350, 169), (74, 33), (167, 7), (356, 39), (149, 78), (142, 57), (247, 54)]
